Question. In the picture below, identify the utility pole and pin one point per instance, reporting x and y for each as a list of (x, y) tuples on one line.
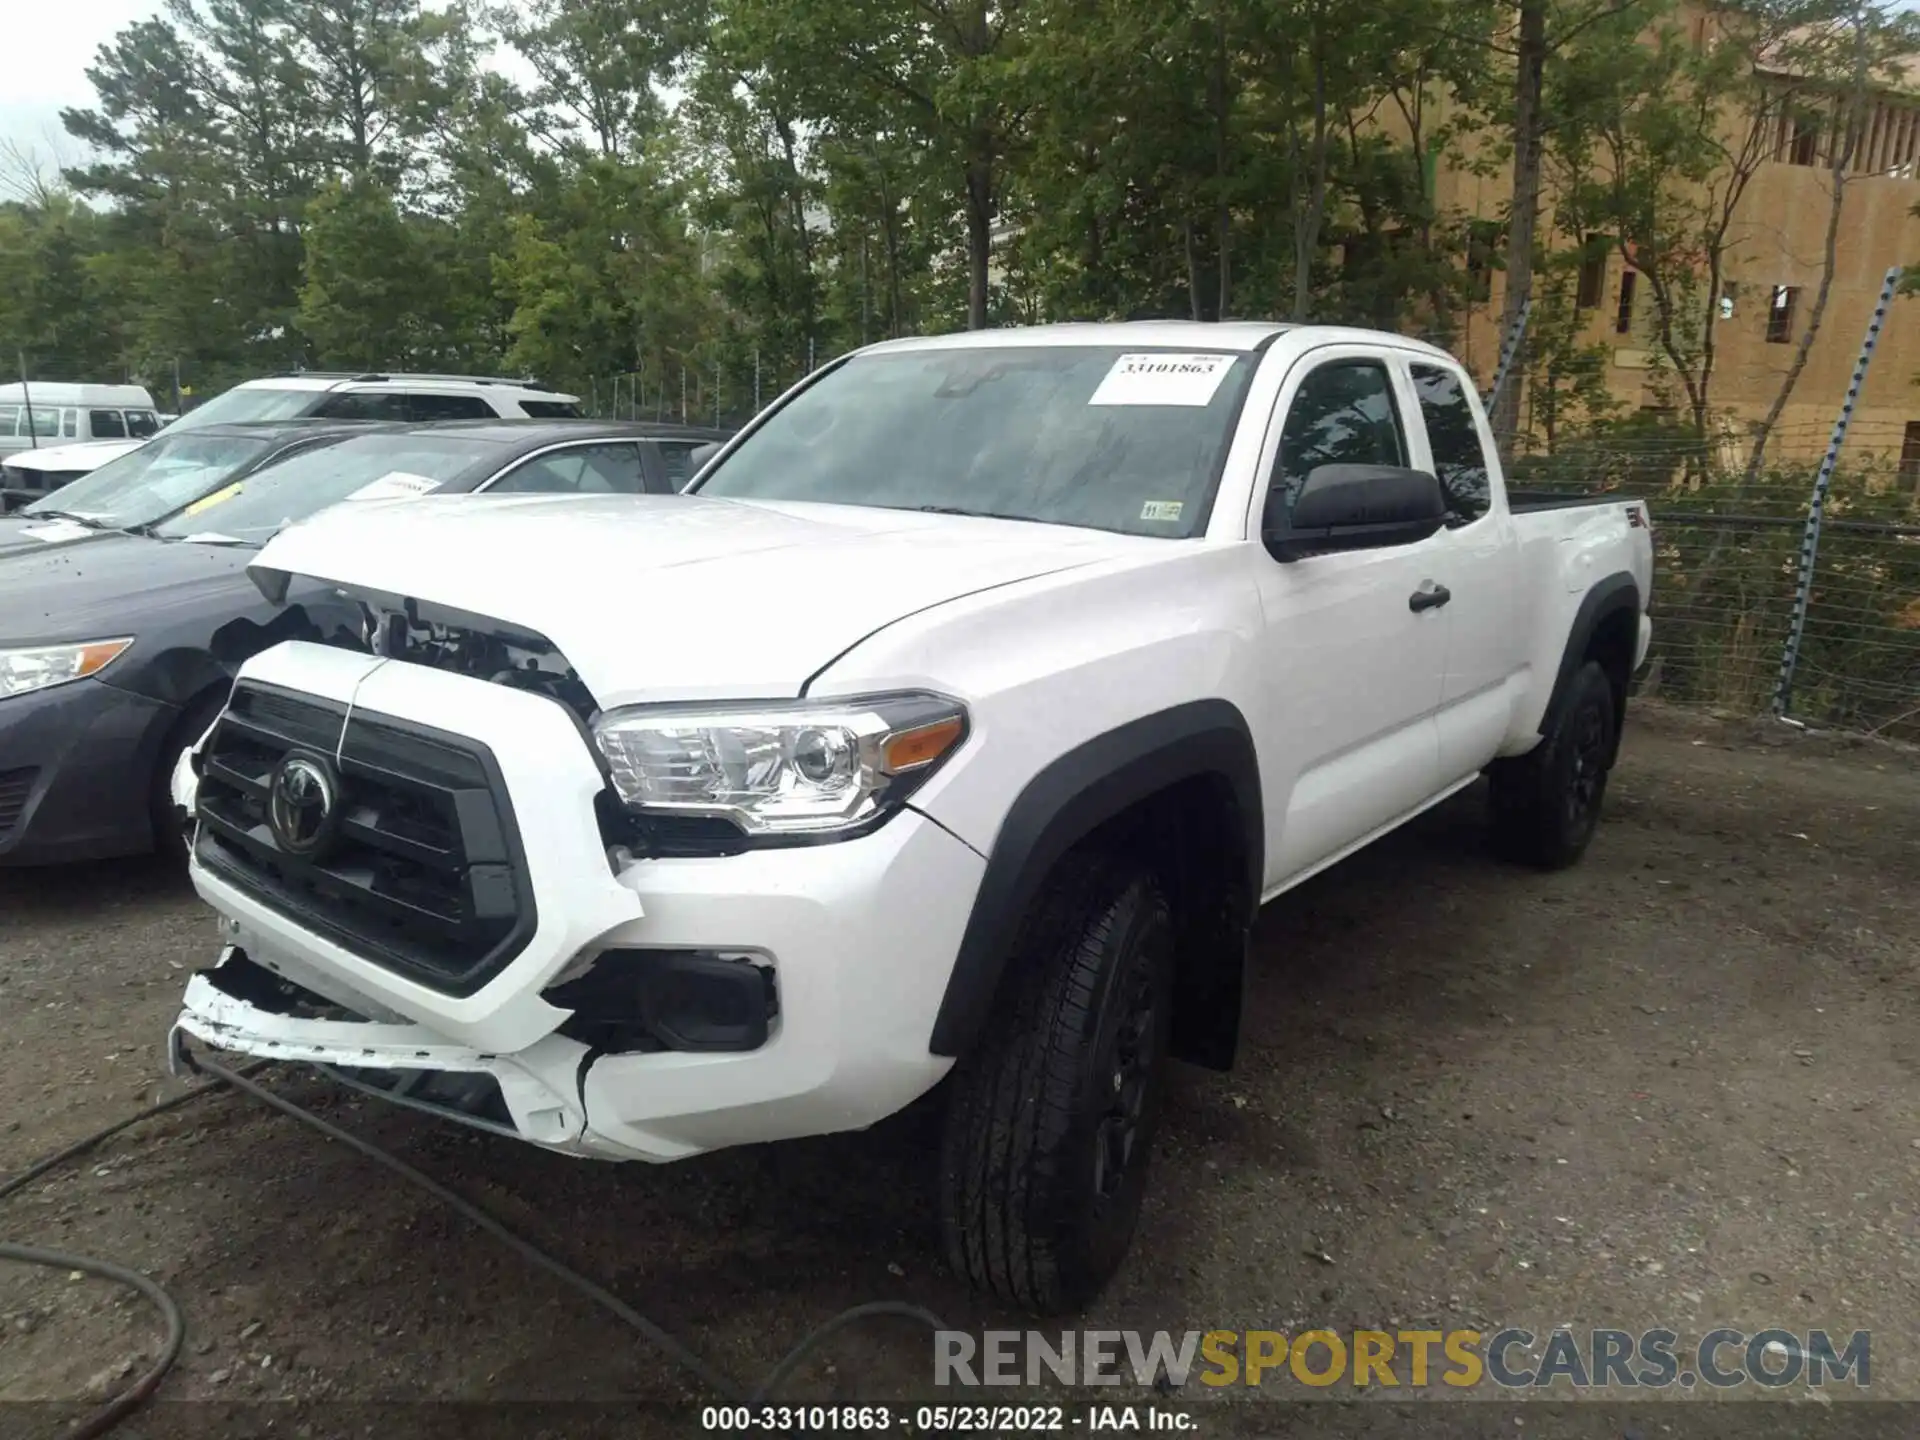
[(33, 431), (1530, 69)]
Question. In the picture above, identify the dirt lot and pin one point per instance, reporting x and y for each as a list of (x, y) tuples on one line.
[(1679, 1085)]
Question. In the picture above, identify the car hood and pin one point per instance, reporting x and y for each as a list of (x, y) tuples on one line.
[(87, 455), (672, 596), (119, 585)]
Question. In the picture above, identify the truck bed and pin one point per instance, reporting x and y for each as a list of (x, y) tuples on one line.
[(1523, 501)]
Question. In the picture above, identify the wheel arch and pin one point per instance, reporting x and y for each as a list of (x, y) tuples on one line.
[(1605, 628), (1181, 787)]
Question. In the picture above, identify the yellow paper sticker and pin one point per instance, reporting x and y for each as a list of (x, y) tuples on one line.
[(207, 502)]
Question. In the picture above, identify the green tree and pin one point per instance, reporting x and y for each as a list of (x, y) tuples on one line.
[(368, 299), (53, 308)]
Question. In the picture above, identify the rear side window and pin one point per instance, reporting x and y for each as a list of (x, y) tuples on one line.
[(141, 424), (363, 405), (676, 460), (550, 409), (9, 417), (106, 425), (577, 470), (448, 407), (1343, 414), (1459, 456)]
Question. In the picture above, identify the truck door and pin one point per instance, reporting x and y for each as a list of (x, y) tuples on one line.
[(1477, 558), (1354, 670)]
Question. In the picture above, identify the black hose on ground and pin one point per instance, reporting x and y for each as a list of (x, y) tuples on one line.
[(136, 1395)]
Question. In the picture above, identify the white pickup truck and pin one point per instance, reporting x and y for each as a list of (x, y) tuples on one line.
[(950, 731)]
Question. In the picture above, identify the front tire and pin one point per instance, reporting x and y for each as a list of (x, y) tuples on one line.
[(1546, 803), (1051, 1118)]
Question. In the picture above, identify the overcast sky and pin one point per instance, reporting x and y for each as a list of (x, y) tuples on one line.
[(49, 47)]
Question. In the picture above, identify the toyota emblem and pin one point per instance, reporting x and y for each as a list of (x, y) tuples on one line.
[(303, 803)]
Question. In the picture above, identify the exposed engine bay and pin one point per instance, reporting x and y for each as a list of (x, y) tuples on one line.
[(474, 646)]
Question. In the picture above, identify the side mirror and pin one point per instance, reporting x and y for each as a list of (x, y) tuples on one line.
[(700, 454), (1354, 507)]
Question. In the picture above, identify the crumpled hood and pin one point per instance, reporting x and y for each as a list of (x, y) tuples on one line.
[(658, 597)]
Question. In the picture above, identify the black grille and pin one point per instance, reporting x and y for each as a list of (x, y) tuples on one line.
[(15, 786), (425, 875)]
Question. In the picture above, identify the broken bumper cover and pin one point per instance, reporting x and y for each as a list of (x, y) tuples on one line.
[(859, 937), (532, 1096)]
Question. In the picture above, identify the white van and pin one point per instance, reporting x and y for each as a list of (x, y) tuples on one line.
[(57, 414)]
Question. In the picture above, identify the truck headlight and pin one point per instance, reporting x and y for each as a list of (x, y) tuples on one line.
[(44, 665), (803, 768)]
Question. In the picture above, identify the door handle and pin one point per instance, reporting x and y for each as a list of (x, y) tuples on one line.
[(1428, 597)]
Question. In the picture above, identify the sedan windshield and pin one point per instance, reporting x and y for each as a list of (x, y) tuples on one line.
[(1123, 440), (249, 403), (149, 484), (252, 511)]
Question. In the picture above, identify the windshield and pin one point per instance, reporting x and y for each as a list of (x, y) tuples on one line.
[(1112, 439), (152, 482), (252, 402), (252, 511)]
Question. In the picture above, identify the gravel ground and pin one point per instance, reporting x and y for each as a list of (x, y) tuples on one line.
[(1675, 1086)]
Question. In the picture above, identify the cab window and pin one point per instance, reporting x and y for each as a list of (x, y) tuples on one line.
[(142, 424), (1453, 434), (1343, 414)]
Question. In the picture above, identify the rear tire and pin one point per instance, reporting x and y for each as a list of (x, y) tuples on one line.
[(169, 833), (1051, 1118), (1546, 804)]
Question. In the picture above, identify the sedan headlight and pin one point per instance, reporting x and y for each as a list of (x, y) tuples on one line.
[(44, 665), (806, 769)]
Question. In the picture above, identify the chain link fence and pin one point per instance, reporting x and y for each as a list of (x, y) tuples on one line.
[(1729, 548), (724, 394)]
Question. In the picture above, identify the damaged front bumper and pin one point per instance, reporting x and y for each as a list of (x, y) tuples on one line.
[(661, 1007), (533, 1095)]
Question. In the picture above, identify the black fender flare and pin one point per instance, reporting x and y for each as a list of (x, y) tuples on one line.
[(1063, 804), (1616, 592)]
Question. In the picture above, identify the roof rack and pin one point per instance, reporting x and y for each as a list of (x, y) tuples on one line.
[(377, 375)]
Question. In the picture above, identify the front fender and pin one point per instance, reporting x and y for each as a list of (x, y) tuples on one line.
[(1067, 801)]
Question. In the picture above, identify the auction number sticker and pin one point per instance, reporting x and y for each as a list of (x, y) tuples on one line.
[(394, 485), (1163, 379)]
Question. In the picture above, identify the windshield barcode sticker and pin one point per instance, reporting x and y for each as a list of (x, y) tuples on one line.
[(1162, 509), (394, 485), (1163, 380)]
